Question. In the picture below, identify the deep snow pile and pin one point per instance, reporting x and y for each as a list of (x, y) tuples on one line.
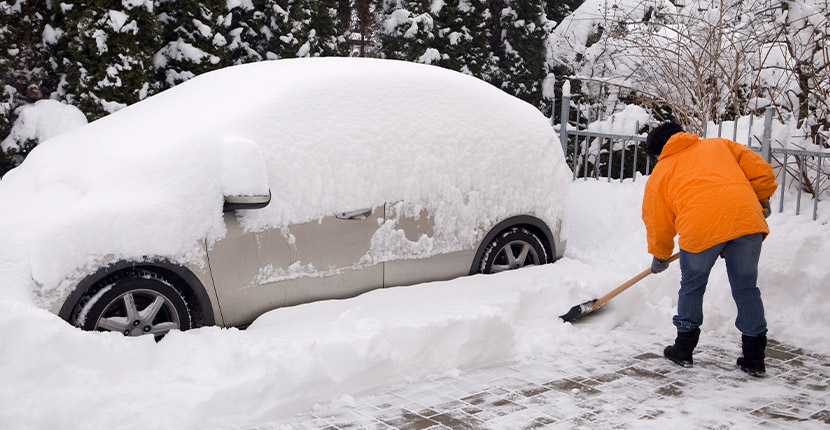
[(326, 135), (55, 376)]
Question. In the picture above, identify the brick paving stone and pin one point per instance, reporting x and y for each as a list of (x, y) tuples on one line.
[(601, 379), (670, 390), (404, 419), (641, 373), (493, 402), (822, 415), (778, 412), (557, 406), (607, 405), (620, 393), (525, 419), (460, 420), (515, 384), (573, 388)]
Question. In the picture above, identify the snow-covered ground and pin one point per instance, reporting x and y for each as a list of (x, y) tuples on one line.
[(55, 376)]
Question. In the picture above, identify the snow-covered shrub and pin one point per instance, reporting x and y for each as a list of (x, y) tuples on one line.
[(37, 123), (106, 54), (702, 61), (501, 42)]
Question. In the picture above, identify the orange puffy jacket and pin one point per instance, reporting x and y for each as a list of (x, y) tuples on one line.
[(706, 190)]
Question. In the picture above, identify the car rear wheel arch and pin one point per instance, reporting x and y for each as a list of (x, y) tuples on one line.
[(180, 278), (530, 223)]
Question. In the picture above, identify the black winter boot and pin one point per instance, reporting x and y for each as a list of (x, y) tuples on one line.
[(684, 345), (753, 360)]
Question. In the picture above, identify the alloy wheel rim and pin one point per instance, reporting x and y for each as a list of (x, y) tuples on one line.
[(139, 312), (514, 255)]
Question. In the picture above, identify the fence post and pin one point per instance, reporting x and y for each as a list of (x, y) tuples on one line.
[(563, 123), (766, 144)]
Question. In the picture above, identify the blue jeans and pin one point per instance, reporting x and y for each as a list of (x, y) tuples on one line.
[(741, 257)]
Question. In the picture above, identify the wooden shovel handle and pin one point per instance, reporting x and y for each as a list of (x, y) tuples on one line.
[(602, 300)]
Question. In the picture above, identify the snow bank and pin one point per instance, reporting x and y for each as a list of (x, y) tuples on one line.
[(336, 134), (41, 121), (55, 376)]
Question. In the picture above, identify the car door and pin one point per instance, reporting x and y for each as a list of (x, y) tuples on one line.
[(255, 272), (249, 271), (330, 256), (415, 265)]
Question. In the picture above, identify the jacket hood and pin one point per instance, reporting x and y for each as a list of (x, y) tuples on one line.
[(678, 142)]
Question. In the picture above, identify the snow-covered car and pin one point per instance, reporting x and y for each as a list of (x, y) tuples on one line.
[(278, 183)]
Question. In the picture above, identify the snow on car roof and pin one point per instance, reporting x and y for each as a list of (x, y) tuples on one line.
[(325, 135)]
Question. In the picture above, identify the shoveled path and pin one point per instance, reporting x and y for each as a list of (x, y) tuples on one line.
[(627, 392)]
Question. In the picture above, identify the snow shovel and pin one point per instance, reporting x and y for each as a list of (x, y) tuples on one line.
[(586, 308)]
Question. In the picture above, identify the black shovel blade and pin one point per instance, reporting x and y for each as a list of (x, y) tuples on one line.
[(579, 311)]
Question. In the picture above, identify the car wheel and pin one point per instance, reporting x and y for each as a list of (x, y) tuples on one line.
[(512, 249), (136, 304)]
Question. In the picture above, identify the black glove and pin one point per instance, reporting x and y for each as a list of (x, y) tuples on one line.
[(658, 265), (766, 208)]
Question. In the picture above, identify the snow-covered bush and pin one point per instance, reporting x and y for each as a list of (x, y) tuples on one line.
[(105, 54), (26, 64), (702, 61), (499, 41), (522, 51), (37, 123), (407, 30), (41, 121)]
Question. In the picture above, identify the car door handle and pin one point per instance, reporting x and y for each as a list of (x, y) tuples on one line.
[(358, 215)]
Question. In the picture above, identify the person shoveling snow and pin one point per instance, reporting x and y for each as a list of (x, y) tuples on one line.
[(713, 193)]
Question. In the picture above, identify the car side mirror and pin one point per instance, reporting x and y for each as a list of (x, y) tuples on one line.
[(243, 175), (233, 203)]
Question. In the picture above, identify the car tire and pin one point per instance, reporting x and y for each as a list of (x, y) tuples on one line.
[(134, 304), (512, 249)]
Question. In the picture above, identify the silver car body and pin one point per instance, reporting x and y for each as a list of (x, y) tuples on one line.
[(256, 272), (247, 274)]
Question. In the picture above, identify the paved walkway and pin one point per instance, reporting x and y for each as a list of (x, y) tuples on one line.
[(641, 391)]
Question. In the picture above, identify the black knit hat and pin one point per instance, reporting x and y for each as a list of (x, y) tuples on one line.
[(659, 136)]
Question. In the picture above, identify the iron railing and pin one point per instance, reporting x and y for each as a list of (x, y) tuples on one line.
[(592, 154)]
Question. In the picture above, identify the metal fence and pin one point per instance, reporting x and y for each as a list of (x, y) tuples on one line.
[(592, 154)]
